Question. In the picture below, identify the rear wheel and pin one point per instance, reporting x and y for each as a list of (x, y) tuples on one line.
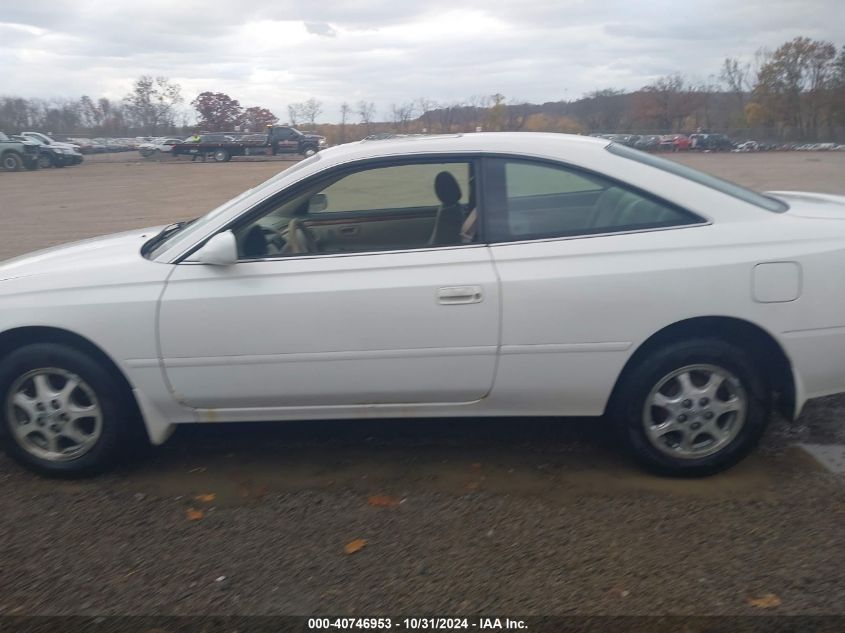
[(11, 161), (62, 413), (692, 408)]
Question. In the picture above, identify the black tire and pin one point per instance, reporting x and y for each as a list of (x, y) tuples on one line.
[(45, 161), (118, 415), (628, 406), (221, 156), (32, 164), (11, 161)]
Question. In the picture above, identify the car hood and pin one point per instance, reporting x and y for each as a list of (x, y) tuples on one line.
[(106, 251), (804, 204)]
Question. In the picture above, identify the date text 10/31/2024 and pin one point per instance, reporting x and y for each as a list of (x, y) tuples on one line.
[(482, 624)]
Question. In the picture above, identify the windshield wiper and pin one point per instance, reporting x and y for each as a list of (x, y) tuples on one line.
[(166, 232)]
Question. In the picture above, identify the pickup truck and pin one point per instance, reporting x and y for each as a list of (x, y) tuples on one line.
[(15, 155), (279, 139)]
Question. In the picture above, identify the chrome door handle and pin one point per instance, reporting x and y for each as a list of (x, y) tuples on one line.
[(452, 295)]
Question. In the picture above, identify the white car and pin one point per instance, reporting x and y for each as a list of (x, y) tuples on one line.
[(158, 145), (508, 274)]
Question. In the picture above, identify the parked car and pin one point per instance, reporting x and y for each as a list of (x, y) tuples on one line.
[(71, 151), (16, 155), (711, 142), (747, 146), (675, 143), (48, 155), (648, 143), (497, 274), (159, 145)]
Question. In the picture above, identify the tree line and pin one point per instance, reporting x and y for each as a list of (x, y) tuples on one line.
[(794, 92)]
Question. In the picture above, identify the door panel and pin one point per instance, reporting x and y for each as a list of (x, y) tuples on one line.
[(332, 330), (378, 230)]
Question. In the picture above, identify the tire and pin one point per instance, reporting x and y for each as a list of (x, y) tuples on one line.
[(677, 440), (308, 151), (45, 161), (32, 164), (11, 161), (221, 156), (92, 442)]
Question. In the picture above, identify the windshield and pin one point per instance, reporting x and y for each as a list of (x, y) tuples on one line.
[(162, 245), (723, 186)]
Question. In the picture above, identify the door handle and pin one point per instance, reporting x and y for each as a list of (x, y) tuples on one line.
[(455, 295), (348, 230)]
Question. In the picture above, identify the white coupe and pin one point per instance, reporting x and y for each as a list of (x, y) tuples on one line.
[(444, 276)]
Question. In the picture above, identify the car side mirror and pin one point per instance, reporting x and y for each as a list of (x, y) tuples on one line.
[(318, 202), (220, 250)]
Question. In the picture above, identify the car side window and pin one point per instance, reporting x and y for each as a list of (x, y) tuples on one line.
[(379, 208), (533, 200)]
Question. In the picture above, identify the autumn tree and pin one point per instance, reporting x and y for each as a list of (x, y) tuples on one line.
[(152, 103), (666, 103), (345, 112), (496, 114), (217, 111), (255, 119), (794, 85)]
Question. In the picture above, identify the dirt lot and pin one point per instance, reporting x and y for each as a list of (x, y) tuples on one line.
[(491, 516)]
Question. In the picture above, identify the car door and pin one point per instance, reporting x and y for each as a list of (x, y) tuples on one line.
[(583, 273), (335, 328)]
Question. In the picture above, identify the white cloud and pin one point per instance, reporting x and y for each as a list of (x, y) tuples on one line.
[(273, 53)]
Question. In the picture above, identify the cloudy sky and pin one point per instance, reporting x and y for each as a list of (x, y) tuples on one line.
[(274, 52)]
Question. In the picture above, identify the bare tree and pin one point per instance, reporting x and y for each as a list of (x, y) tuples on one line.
[(310, 110), (402, 114), (345, 111), (152, 103), (295, 113), (366, 110), (426, 107)]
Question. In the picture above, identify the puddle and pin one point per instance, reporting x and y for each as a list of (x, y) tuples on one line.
[(831, 457), (241, 468)]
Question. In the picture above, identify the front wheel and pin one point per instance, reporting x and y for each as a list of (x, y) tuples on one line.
[(62, 413), (45, 161), (692, 408), (221, 156), (11, 162), (308, 152)]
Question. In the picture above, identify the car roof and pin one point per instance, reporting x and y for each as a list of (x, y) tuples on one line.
[(527, 143)]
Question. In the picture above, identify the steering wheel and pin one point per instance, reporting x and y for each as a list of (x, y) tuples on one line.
[(299, 239)]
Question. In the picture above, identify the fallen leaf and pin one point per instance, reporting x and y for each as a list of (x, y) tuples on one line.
[(194, 515), (477, 466), (383, 501), (207, 497), (473, 485), (355, 546), (766, 601)]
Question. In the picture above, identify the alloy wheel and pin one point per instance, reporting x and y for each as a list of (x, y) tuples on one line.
[(695, 411), (54, 414)]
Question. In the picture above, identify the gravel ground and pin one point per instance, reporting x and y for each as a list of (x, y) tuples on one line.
[(488, 516)]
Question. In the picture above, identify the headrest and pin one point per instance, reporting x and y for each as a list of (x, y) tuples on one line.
[(447, 188)]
